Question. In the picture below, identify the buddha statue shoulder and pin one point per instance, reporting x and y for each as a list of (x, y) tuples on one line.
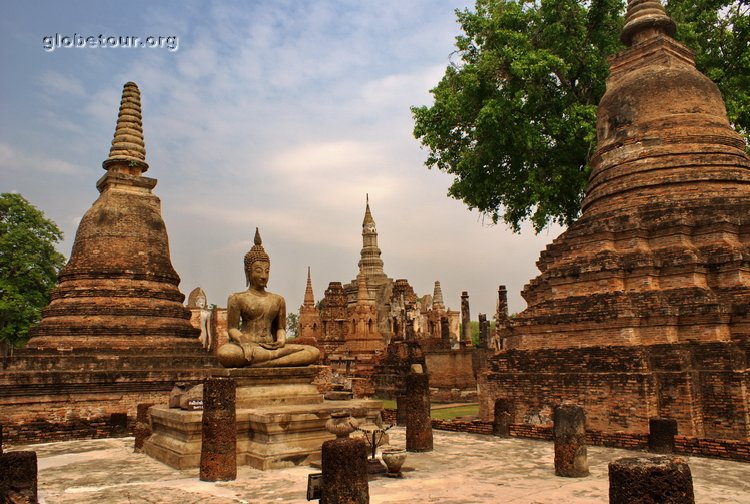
[(256, 322)]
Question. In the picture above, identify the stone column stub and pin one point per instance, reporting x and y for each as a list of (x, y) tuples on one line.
[(219, 430), (666, 480), (569, 430)]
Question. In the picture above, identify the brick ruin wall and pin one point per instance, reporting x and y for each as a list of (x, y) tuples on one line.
[(451, 375), (702, 385), (51, 418)]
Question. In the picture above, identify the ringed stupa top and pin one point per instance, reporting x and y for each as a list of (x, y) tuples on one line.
[(661, 124), (128, 148), (119, 286)]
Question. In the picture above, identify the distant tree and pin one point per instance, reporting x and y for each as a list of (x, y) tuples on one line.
[(514, 118), (29, 265), (292, 325)]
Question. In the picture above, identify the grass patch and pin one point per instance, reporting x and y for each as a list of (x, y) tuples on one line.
[(458, 411), (388, 403)]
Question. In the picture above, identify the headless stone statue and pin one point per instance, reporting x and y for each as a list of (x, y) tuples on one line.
[(256, 320)]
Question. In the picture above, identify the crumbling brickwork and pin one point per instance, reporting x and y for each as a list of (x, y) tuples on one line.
[(641, 306)]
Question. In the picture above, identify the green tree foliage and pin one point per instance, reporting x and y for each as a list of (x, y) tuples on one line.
[(292, 325), (513, 118), (29, 265)]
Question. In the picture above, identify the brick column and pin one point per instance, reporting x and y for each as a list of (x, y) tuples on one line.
[(445, 331), (418, 421), (465, 319), (666, 480), (661, 433), (484, 331), (344, 464), (570, 441), (219, 430), (142, 429), (18, 477)]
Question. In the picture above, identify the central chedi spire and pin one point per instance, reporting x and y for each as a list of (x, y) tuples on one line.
[(119, 285), (370, 260), (654, 277)]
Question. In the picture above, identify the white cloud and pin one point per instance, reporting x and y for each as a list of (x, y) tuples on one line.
[(12, 160), (55, 83)]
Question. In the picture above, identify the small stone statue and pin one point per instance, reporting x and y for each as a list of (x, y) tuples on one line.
[(197, 300), (256, 320)]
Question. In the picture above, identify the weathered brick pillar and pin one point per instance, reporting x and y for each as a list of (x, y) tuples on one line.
[(18, 477), (666, 480), (219, 430), (118, 425), (503, 418), (344, 464), (401, 404), (142, 429), (501, 315), (661, 433), (465, 319), (1, 439), (484, 331), (418, 420), (570, 441), (445, 330)]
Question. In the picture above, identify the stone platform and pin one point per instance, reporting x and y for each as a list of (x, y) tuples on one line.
[(281, 420)]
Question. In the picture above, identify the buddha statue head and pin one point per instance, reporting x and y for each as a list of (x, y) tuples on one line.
[(257, 264)]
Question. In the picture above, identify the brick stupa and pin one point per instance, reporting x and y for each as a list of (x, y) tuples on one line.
[(119, 287), (641, 307), (115, 332)]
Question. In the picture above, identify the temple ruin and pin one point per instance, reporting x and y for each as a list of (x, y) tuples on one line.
[(641, 306), (115, 333), (355, 325)]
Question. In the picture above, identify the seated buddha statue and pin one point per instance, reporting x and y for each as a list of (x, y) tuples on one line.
[(256, 320)]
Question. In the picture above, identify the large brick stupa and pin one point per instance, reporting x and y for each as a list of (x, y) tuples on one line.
[(641, 308), (115, 333), (119, 286)]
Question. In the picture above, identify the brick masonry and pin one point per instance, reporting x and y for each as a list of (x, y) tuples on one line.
[(641, 307)]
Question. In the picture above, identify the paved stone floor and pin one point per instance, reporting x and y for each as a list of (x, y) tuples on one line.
[(463, 469)]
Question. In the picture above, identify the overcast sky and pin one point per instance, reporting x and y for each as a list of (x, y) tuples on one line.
[(275, 114)]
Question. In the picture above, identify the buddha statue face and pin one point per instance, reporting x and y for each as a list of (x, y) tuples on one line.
[(257, 275)]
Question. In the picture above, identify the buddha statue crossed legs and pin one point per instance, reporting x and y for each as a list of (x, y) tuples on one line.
[(256, 320)]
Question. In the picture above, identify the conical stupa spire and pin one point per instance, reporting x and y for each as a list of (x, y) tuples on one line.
[(644, 19), (363, 295), (309, 297), (368, 215), (128, 148), (437, 297)]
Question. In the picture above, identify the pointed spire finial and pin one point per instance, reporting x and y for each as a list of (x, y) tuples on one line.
[(128, 150), (257, 241), (437, 297), (368, 215), (646, 18), (309, 299)]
